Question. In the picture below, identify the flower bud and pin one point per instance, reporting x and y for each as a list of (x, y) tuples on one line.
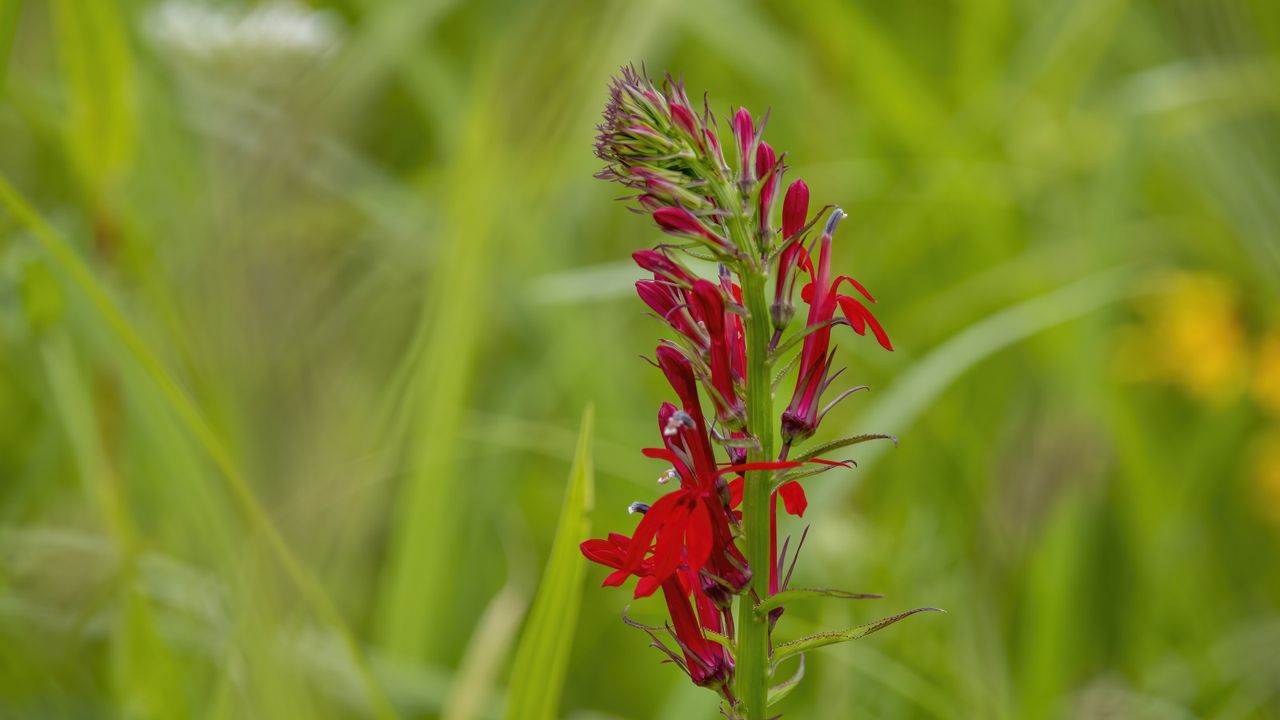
[(795, 207), (745, 132)]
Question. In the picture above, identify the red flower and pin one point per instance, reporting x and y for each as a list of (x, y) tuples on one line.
[(706, 662), (662, 267), (795, 209), (667, 302), (745, 133), (802, 416), (682, 223), (769, 170), (707, 303)]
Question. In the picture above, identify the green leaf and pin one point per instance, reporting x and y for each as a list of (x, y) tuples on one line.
[(542, 659), (786, 597), (841, 443), (787, 367), (97, 63), (804, 644), (784, 688)]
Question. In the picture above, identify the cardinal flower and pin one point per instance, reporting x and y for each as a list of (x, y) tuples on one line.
[(822, 294), (704, 661)]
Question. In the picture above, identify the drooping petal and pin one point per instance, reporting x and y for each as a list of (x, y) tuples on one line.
[(793, 498), (858, 314), (649, 525), (763, 465)]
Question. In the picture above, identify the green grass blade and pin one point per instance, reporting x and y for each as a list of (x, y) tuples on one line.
[(82, 278), (542, 659), (97, 62)]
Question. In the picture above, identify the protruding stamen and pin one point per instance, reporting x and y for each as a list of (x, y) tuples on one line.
[(667, 477), (678, 420), (836, 216), (637, 507)]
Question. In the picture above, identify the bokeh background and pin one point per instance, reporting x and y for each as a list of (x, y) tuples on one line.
[(300, 305)]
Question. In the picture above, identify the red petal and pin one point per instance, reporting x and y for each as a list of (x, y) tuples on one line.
[(735, 492), (857, 313), (659, 454), (793, 498), (857, 286), (648, 527), (646, 586), (766, 465), (833, 463), (615, 578), (697, 537), (667, 554)]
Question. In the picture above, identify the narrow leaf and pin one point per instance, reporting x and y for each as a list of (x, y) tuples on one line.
[(97, 65), (804, 644), (824, 448), (542, 659), (784, 688), (786, 368), (786, 597), (799, 473)]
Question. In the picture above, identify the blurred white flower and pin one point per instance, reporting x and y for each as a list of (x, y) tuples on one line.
[(205, 31)]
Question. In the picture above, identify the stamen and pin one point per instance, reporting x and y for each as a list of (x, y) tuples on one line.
[(678, 420), (637, 507)]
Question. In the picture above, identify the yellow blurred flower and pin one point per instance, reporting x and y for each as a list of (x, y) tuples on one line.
[(1266, 474), (1191, 337), (1266, 374)]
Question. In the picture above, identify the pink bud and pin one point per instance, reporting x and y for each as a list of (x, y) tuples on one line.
[(770, 174), (765, 159), (659, 264), (678, 221), (681, 222), (683, 118), (795, 208), (744, 130)]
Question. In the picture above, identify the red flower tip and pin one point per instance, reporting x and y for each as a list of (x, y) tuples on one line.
[(678, 221), (684, 119), (795, 208), (765, 159), (745, 132), (660, 265)]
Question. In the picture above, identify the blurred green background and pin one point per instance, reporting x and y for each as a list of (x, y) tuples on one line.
[(300, 305)]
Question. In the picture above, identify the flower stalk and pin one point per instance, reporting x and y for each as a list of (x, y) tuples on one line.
[(753, 641), (711, 541)]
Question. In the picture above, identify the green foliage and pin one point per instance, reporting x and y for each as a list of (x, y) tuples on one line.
[(542, 658)]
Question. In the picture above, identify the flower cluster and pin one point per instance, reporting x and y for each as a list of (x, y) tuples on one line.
[(695, 542)]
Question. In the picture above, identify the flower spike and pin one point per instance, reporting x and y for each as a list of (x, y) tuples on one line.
[(708, 539)]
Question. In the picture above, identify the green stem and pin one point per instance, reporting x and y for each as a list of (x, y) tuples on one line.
[(753, 630)]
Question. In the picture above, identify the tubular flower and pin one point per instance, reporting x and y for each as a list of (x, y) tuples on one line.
[(823, 297), (795, 208), (710, 540), (723, 339)]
